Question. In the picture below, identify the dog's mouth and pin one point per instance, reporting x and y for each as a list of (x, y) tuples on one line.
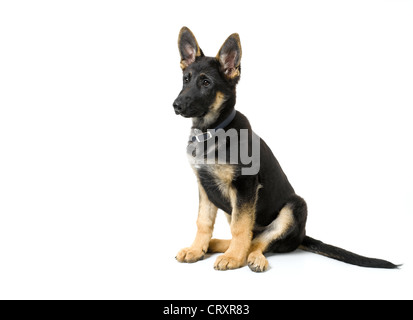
[(190, 114), (183, 114)]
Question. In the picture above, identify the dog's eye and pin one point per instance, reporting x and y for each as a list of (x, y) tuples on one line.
[(186, 79), (205, 83)]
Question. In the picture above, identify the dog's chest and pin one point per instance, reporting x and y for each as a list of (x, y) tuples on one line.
[(217, 181)]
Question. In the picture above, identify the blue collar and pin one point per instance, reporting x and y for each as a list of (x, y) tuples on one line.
[(203, 136)]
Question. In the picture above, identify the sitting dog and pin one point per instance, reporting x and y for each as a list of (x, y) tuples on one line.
[(264, 212)]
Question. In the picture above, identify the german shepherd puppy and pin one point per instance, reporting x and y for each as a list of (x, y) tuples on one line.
[(264, 212)]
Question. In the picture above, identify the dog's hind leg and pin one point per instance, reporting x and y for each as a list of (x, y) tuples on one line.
[(218, 245), (284, 234), (274, 231)]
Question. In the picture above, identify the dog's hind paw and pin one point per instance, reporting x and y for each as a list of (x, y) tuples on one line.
[(257, 262)]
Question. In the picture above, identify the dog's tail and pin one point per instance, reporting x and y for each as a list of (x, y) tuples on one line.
[(316, 246)]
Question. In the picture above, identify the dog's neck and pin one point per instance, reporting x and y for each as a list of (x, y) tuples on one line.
[(213, 121)]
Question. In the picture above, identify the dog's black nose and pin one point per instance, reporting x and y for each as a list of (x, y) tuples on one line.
[(177, 106)]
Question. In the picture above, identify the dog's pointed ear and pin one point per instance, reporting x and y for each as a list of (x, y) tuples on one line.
[(229, 56), (188, 47)]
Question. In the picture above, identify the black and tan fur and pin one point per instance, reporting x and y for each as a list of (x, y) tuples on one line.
[(264, 213)]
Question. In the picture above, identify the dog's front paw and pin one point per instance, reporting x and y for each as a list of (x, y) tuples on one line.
[(226, 262), (190, 255)]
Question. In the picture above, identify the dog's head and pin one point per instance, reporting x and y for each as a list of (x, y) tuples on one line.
[(208, 82)]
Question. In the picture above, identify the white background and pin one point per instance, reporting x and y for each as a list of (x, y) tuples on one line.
[(96, 196)]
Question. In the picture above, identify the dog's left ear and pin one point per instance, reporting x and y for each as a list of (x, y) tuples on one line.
[(229, 57), (188, 48)]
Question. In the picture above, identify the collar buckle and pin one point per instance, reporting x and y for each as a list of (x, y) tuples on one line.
[(203, 136)]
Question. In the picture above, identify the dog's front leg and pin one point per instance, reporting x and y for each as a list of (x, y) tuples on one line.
[(242, 223), (206, 218)]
